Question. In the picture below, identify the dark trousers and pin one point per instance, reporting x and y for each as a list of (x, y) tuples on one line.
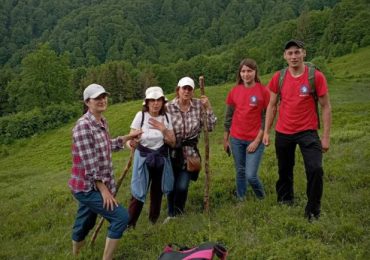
[(156, 194), (177, 198), (310, 146)]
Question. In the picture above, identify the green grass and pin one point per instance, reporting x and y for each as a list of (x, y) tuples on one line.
[(37, 209), (353, 66)]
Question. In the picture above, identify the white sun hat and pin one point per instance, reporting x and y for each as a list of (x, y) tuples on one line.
[(93, 91), (186, 81), (154, 93)]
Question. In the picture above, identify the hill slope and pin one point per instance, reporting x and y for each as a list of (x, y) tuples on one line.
[(37, 209)]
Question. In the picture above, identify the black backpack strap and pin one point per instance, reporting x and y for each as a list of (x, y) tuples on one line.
[(142, 119), (281, 81), (311, 80)]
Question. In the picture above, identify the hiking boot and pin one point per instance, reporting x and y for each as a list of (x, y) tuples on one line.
[(289, 203), (311, 216), (168, 219)]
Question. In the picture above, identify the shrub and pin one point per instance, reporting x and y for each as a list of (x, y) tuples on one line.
[(26, 124)]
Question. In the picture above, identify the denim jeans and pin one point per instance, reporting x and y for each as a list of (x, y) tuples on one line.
[(91, 204), (246, 165), (177, 198), (310, 146)]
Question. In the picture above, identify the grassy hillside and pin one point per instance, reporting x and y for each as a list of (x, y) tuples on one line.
[(37, 209), (353, 66)]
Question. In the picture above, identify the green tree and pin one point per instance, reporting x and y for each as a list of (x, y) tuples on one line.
[(116, 77), (6, 75), (146, 78), (45, 78)]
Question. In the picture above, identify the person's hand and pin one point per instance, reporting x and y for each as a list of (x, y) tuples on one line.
[(205, 102), (227, 147), (133, 143), (159, 125), (109, 202), (325, 144), (253, 146), (266, 139), (134, 134)]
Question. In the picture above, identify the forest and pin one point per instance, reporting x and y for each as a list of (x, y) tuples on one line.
[(50, 50)]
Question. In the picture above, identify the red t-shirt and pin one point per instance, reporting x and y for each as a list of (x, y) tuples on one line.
[(248, 104), (297, 110)]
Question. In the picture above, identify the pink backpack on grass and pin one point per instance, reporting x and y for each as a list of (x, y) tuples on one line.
[(205, 251)]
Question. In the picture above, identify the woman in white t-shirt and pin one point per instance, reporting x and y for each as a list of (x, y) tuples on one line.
[(152, 166)]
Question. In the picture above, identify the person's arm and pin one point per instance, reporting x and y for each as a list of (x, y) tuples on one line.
[(211, 118), (326, 119), (227, 124), (84, 142), (169, 137), (133, 142), (253, 145), (270, 115), (119, 142)]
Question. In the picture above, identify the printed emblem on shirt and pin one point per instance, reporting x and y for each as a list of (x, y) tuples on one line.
[(253, 101), (304, 91)]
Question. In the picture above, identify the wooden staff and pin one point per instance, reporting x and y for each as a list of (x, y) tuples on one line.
[(206, 150), (119, 182)]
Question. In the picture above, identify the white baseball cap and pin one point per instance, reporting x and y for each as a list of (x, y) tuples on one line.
[(93, 91), (154, 93), (186, 81)]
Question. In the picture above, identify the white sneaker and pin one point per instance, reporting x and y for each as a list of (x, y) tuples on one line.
[(168, 219)]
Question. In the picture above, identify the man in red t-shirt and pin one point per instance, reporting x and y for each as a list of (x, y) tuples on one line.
[(297, 124)]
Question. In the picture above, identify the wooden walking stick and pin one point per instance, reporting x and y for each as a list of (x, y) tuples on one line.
[(206, 150), (119, 182)]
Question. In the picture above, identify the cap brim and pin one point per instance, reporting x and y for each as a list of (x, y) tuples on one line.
[(187, 86), (165, 99), (294, 43), (99, 93)]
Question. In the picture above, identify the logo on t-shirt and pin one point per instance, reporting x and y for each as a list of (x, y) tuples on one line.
[(253, 101), (304, 91)]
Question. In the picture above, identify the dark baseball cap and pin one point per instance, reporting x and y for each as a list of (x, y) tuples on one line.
[(294, 42)]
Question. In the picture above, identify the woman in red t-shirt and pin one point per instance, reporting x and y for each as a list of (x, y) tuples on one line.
[(244, 119)]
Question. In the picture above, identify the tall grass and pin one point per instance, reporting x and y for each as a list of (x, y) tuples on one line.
[(37, 209)]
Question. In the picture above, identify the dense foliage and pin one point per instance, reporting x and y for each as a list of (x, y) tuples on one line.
[(158, 31), (50, 50), (26, 124)]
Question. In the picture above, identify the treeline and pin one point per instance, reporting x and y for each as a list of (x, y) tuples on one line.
[(154, 31), (50, 75)]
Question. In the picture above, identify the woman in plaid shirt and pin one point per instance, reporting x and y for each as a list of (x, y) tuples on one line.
[(187, 121), (92, 180)]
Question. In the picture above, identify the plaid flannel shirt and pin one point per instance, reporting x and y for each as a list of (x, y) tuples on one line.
[(92, 155), (187, 125)]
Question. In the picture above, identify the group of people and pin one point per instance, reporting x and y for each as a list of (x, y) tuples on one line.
[(164, 138)]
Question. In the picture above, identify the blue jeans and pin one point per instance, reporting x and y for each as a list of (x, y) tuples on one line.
[(177, 198), (246, 165), (91, 204)]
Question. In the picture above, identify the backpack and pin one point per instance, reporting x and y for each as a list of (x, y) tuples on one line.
[(142, 118), (311, 79), (205, 251)]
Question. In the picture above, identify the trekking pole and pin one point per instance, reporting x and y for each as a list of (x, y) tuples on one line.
[(206, 150), (119, 182)]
